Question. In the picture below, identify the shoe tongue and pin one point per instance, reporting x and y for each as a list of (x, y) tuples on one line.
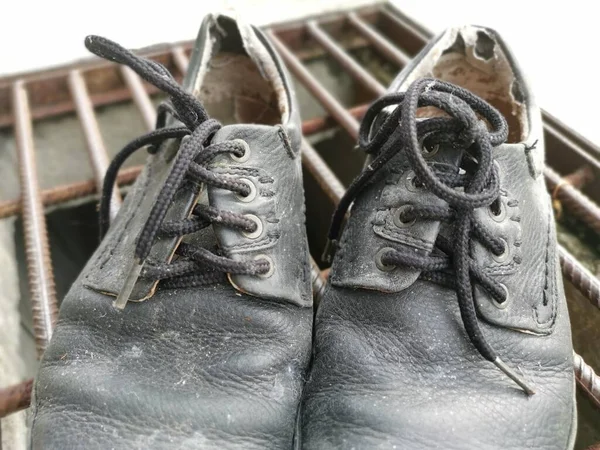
[(373, 227)]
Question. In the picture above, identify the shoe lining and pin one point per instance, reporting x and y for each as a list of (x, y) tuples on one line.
[(476, 63), (234, 91)]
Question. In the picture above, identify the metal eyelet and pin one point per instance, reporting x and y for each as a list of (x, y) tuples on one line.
[(259, 227), (502, 257), (252, 195), (397, 217), (501, 215), (271, 265), (504, 304), (379, 263), (246, 156), (409, 181), (428, 151)]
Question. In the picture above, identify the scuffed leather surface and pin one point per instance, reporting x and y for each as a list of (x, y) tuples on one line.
[(372, 225), (116, 255), (277, 174), (211, 367), (397, 370), (528, 228), (189, 369), (110, 264)]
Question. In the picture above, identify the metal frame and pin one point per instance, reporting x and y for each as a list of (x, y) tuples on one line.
[(395, 37)]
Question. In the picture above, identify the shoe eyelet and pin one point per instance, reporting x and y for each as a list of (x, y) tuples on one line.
[(246, 156), (428, 151), (409, 181), (502, 257), (504, 304), (271, 265), (379, 263), (252, 195), (259, 227), (500, 214), (397, 217)]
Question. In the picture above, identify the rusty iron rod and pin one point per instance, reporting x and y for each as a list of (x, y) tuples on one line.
[(573, 199), (341, 115), (389, 50), (140, 96), (344, 59), (60, 194), (15, 398), (580, 277), (93, 136), (587, 379), (328, 181), (39, 267), (180, 59), (580, 177)]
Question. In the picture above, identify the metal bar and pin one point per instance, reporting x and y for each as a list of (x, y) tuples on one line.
[(580, 177), (573, 199), (140, 97), (389, 50), (318, 124), (93, 137), (81, 189), (68, 192), (587, 379), (39, 267), (408, 29), (344, 59), (329, 182), (578, 147), (341, 115), (579, 276), (15, 398), (180, 59)]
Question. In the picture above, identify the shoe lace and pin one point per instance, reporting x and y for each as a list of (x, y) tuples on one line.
[(476, 185), (194, 266)]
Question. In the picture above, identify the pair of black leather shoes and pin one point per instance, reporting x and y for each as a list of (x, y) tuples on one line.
[(444, 323)]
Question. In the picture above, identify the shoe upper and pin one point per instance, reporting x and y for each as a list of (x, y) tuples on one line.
[(394, 363), (191, 364)]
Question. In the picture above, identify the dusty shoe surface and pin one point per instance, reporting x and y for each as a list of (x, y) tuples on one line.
[(190, 327), (444, 324)]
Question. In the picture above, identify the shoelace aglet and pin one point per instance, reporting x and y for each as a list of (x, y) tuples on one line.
[(127, 289), (513, 376)]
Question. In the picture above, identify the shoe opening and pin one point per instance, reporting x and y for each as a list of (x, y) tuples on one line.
[(472, 58), (239, 81)]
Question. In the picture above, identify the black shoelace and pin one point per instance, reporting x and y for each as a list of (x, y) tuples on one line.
[(475, 186), (194, 266)]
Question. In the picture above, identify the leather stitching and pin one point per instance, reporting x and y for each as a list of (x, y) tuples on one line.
[(388, 233), (286, 142), (549, 289)]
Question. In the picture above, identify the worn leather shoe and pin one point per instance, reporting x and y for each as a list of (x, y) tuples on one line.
[(190, 327), (444, 324)]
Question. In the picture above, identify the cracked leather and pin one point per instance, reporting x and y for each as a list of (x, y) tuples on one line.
[(208, 367), (392, 364)]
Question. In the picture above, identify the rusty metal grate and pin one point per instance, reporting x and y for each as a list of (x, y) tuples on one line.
[(388, 35)]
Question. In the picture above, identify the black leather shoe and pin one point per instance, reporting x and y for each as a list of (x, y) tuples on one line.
[(445, 324), (191, 325)]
